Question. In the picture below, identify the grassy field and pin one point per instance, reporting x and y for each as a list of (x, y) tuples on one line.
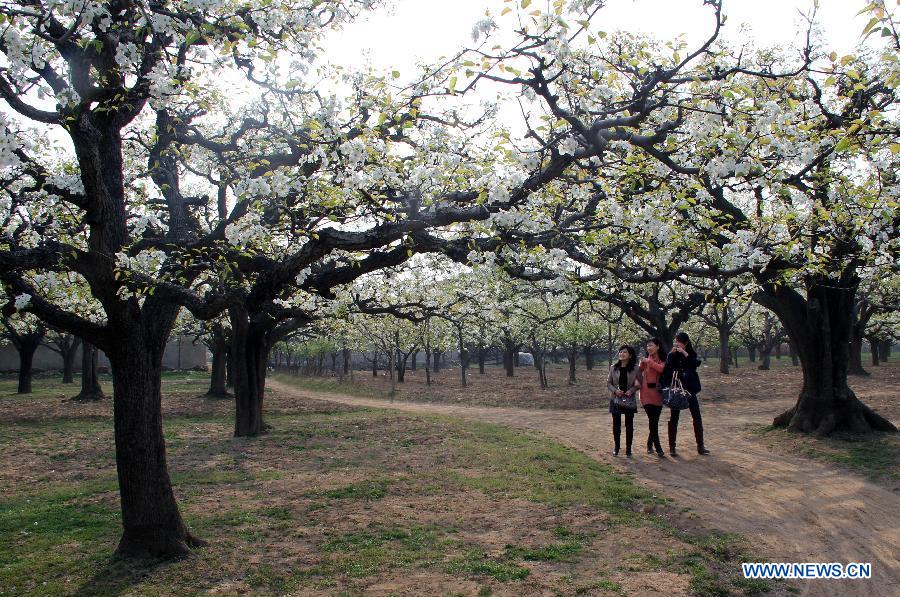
[(876, 455), (340, 500)]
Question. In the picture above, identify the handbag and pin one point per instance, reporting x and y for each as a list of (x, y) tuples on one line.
[(626, 401), (675, 396)]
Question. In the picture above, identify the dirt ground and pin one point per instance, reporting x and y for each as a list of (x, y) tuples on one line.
[(792, 508)]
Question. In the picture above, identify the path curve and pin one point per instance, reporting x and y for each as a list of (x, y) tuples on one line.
[(791, 508)]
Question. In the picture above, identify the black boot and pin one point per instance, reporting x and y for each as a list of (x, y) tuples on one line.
[(673, 432), (698, 435)]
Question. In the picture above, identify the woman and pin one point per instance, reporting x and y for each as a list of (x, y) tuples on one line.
[(624, 382), (682, 359), (651, 398)]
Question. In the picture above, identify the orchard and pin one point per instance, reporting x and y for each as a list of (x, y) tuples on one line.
[(487, 230)]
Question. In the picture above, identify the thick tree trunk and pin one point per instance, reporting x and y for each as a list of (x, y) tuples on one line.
[(217, 387), (873, 344), (217, 379), (229, 369), (250, 349), (751, 354), (856, 345), (412, 361), (724, 350), (572, 357), (884, 352), (69, 366), (436, 361), (766, 356), (152, 524), (26, 358), (509, 361), (90, 383), (427, 367), (820, 327), (67, 346), (589, 358), (374, 363)]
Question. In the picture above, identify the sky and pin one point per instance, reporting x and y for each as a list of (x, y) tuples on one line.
[(414, 30)]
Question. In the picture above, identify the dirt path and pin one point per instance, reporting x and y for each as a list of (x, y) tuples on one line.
[(791, 508)]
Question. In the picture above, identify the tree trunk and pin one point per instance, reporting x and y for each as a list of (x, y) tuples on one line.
[(820, 327), (482, 354), (374, 363), (856, 344), (67, 347), (90, 384), (589, 358), (152, 524), (573, 357), (229, 368), (217, 379), (413, 358), (724, 350), (751, 354), (884, 352), (250, 349), (462, 355), (874, 348), (69, 365), (509, 359), (26, 358), (766, 355), (427, 367)]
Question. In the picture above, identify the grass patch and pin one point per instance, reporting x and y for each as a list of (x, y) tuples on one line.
[(404, 493), (476, 562), (875, 455), (331, 385), (517, 463)]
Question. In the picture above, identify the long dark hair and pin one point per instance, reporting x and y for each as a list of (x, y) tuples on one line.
[(631, 360), (688, 346)]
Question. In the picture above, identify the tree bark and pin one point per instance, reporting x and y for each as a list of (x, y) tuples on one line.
[(856, 345), (152, 524), (219, 349), (884, 352), (250, 349), (873, 344), (90, 383), (589, 357), (572, 357), (820, 327), (724, 349), (26, 358)]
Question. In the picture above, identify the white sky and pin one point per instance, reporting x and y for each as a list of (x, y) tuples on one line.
[(409, 31)]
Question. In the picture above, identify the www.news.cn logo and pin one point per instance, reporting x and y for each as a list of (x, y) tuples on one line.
[(806, 570)]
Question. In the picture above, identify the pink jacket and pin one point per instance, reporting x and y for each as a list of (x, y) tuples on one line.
[(652, 368)]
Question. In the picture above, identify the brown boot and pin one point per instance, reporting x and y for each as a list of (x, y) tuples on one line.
[(673, 432), (698, 435)]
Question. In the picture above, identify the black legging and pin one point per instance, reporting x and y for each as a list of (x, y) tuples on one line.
[(653, 412), (629, 428), (694, 406)]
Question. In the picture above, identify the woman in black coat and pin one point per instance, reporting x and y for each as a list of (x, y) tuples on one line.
[(683, 360)]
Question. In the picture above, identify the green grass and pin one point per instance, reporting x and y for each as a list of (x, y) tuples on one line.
[(260, 498), (331, 385), (876, 455), (516, 463)]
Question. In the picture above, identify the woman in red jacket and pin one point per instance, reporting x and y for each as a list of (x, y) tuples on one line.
[(651, 398)]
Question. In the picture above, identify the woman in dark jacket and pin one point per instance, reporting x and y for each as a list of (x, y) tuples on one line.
[(624, 382), (683, 360)]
